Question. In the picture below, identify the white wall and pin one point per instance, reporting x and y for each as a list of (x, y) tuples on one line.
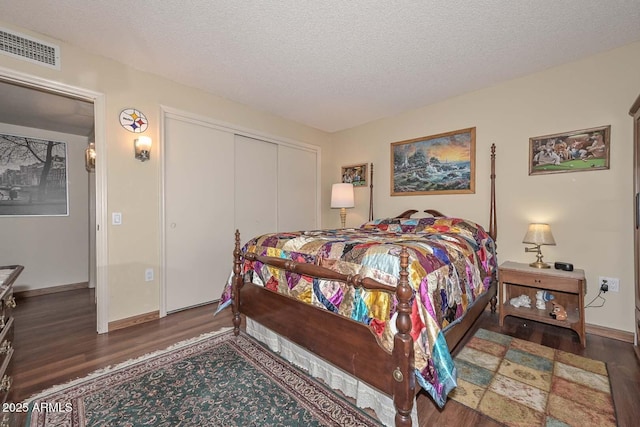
[(53, 249), (591, 213)]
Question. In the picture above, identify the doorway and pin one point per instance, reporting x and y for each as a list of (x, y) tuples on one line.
[(68, 100)]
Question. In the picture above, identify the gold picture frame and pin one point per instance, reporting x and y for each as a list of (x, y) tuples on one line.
[(438, 164), (575, 151), (355, 174)]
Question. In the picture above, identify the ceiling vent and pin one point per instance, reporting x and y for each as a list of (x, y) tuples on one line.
[(29, 49)]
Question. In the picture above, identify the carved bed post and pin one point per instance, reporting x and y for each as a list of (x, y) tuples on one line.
[(404, 385), (371, 194), (236, 284), (493, 223)]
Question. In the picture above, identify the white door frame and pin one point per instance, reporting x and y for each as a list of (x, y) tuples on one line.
[(99, 114), (165, 112)]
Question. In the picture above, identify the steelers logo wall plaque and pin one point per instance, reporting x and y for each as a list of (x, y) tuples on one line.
[(133, 120)]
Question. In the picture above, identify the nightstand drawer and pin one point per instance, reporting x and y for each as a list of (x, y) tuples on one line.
[(561, 284)]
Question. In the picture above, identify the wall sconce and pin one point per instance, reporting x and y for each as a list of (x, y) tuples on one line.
[(342, 197), (142, 145), (90, 157), (538, 234)]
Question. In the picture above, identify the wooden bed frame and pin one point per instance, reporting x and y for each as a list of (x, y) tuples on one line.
[(343, 342)]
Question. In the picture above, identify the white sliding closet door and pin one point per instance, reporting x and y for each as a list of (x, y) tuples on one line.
[(297, 189), (256, 183), (199, 212)]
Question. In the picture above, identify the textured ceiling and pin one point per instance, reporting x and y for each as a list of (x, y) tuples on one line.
[(335, 64)]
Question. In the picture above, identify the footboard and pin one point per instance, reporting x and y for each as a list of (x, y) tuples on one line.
[(343, 342)]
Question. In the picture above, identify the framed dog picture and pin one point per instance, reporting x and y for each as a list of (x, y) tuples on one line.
[(355, 174), (576, 151)]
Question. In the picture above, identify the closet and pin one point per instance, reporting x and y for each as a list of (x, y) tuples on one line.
[(216, 180), (635, 112)]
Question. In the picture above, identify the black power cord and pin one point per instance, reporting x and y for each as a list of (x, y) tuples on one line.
[(603, 289)]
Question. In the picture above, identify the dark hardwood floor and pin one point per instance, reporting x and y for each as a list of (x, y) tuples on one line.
[(55, 341)]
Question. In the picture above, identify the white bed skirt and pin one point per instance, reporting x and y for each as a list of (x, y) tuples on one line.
[(364, 395)]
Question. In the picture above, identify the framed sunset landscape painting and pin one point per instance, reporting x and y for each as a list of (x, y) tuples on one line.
[(436, 164)]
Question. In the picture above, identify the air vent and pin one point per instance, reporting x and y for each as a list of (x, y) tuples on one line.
[(29, 49)]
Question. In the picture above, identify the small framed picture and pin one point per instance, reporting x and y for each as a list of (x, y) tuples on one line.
[(576, 151), (33, 176), (355, 174)]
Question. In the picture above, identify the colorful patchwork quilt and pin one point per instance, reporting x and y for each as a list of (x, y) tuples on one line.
[(450, 265)]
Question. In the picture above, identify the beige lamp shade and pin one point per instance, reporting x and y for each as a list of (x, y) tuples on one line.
[(342, 196), (539, 234)]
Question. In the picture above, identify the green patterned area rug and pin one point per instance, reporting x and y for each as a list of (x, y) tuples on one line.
[(520, 383), (214, 380)]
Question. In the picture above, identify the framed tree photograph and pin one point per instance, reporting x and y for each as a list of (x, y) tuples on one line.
[(355, 174), (436, 164), (575, 151), (33, 177)]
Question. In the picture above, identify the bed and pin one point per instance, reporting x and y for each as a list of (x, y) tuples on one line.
[(387, 302)]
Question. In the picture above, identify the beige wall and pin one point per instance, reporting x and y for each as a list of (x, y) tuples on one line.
[(134, 187), (591, 213), (37, 241)]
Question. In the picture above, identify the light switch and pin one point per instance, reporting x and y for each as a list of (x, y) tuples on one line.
[(116, 218)]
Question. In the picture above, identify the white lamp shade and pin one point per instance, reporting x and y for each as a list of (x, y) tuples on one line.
[(342, 196), (539, 234), (143, 143)]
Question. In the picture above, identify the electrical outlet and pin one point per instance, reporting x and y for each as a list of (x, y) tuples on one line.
[(612, 284), (148, 275)]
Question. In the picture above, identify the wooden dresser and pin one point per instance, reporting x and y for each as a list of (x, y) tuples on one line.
[(8, 275)]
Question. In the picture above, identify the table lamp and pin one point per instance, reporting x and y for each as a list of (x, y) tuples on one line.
[(538, 235), (342, 197)]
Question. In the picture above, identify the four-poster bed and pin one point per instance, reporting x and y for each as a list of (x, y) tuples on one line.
[(358, 348)]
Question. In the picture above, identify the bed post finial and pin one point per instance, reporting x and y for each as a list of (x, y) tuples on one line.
[(236, 284), (403, 357)]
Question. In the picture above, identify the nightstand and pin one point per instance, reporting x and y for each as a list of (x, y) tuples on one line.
[(568, 288)]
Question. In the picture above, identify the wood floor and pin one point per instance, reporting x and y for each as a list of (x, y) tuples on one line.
[(55, 341)]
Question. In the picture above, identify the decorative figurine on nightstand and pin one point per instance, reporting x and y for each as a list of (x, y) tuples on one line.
[(542, 297), (521, 301), (558, 313)]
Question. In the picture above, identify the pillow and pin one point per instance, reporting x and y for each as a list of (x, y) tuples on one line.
[(399, 225)]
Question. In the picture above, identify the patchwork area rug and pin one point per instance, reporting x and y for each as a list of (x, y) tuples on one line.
[(214, 380), (520, 383)]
